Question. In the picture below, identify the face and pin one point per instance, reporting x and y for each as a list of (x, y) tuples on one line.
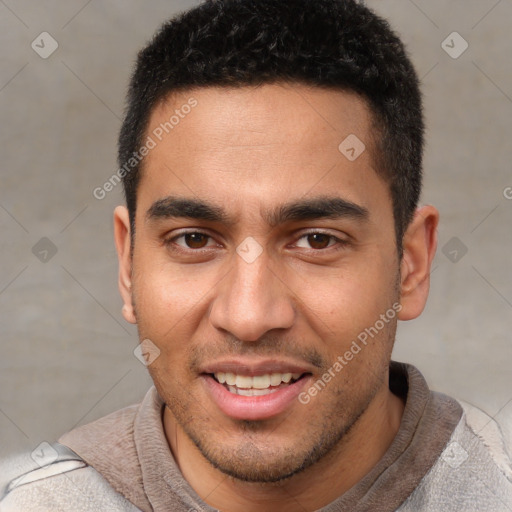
[(262, 254)]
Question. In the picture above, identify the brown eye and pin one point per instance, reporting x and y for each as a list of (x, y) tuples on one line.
[(196, 240), (319, 240)]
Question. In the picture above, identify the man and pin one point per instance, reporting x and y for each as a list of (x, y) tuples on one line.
[(271, 158)]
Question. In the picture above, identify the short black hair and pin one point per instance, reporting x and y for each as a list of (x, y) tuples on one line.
[(338, 44)]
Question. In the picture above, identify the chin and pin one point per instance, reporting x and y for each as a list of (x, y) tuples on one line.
[(266, 462)]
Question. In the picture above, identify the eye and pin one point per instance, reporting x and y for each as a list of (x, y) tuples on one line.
[(317, 241), (192, 240)]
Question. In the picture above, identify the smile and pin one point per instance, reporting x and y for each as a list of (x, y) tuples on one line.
[(259, 385), (243, 390)]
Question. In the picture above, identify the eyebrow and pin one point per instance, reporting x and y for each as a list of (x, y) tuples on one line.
[(304, 209), (176, 207), (317, 208)]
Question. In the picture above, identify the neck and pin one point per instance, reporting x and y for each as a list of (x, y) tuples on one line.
[(354, 456)]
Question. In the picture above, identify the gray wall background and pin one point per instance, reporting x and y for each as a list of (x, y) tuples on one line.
[(66, 353)]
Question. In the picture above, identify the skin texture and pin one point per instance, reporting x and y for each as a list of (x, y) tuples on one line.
[(303, 300)]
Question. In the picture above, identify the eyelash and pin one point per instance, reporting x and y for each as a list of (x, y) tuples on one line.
[(170, 243), (337, 245)]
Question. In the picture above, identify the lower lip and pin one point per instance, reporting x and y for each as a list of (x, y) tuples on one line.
[(253, 407)]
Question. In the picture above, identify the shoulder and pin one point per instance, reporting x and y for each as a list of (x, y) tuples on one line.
[(108, 445), (474, 470), (54, 478), (493, 434), (105, 430)]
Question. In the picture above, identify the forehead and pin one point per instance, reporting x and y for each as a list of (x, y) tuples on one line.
[(269, 113), (261, 144)]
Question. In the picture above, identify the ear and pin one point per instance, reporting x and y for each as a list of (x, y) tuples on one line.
[(122, 239), (419, 248)]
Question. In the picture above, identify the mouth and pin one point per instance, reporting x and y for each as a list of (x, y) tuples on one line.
[(248, 392), (257, 385)]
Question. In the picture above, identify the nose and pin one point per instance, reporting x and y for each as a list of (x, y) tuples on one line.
[(252, 300)]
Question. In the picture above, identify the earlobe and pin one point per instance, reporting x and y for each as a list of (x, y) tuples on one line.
[(419, 247), (128, 313), (123, 247)]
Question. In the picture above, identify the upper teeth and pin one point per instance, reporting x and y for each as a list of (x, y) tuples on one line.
[(256, 382)]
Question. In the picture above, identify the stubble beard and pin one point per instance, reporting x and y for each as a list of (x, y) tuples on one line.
[(258, 455)]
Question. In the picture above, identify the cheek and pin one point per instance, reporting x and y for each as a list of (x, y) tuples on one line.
[(168, 297), (349, 298)]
